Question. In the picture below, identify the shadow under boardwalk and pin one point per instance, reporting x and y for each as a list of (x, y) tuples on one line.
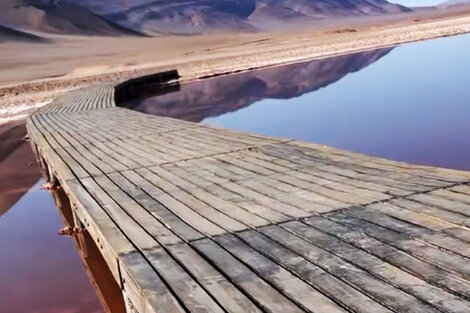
[(194, 218)]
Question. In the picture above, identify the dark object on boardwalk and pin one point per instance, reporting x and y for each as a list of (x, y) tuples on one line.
[(138, 88)]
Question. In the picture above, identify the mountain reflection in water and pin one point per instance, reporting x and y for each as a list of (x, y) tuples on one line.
[(213, 97), (18, 172), (410, 106)]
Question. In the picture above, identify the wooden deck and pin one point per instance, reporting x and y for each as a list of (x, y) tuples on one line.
[(193, 218)]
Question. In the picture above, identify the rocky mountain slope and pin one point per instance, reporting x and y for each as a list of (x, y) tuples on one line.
[(156, 17), (60, 18), (11, 34), (190, 16)]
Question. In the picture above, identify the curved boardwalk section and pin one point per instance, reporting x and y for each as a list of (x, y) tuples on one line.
[(194, 218)]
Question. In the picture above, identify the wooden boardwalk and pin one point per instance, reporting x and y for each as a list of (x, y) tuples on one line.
[(193, 218)]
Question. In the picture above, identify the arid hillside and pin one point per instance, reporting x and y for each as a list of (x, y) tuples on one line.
[(61, 18), (154, 17), (11, 34)]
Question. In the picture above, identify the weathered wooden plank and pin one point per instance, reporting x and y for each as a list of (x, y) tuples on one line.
[(411, 284), (229, 209), (229, 297), (147, 221), (442, 214), (296, 289), (185, 213), (363, 164), (451, 194), (166, 146), (347, 230), (449, 262), (194, 297), (249, 205), (144, 290), (360, 191), (49, 154), (341, 169), (443, 203), (106, 234), (127, 224), (118, 156), (404, 226), (227, 171), (336, 289), (465, 189), (432, 174), (262, 199), (158, 210), (379, 290), (306, 200), (220, 218), (270, 299), (418, 217)]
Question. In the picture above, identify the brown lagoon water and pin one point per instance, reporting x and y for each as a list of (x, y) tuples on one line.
[(410, 103)]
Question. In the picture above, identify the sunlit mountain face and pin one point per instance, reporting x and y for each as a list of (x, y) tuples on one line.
[(64, 17), (157, 17)]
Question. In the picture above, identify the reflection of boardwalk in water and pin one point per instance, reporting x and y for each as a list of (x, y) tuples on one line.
[(192, 218), (107, 290)]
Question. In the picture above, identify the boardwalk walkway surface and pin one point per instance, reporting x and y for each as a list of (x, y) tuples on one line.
[(193, 218)]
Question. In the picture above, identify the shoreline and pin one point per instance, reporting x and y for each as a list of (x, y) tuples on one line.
[(275, 50), (290, 55)]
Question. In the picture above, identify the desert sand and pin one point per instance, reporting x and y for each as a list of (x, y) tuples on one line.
[(31, 74)]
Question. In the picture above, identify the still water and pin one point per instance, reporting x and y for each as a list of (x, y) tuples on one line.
[(39, 270), (410, 103)]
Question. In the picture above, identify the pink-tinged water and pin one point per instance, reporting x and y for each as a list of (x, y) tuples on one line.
[(40, 271)]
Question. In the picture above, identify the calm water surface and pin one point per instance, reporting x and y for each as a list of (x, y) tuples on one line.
[(410, 103), (40, 272)]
